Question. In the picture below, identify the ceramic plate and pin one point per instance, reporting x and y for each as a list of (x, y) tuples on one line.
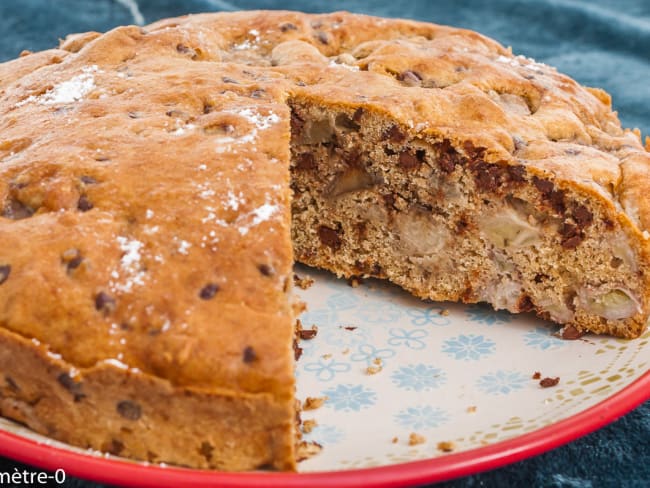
[(416, 391)]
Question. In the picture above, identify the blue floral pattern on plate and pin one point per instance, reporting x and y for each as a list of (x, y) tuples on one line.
[(421, 417), (502, 382), (326, 369), (469, 347), (484, 314), (369, 353), (543, 338), (391, 364), (350, 397), (413, 339), (428, 316), (418, 377)]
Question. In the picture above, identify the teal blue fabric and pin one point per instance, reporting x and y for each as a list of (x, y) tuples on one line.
[(600, 43)]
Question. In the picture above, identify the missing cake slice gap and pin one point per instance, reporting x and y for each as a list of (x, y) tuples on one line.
[(373, 197)]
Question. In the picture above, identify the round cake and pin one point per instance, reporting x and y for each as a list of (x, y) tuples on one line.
[(157, 184)]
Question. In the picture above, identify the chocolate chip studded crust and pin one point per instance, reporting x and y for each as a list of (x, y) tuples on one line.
[(147, 224)]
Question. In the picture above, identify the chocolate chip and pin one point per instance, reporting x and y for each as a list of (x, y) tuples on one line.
[(517, 173), (410, 78), (74, 387), (462, 224), (129, 410), (323, 37), (87, 180), (549, 382), (571, 236), (176, 113), (297, 122), (297, 350), (209, 291), (5, 271), (307, 334), (71, 258), (448, 157), (104, 302), (266, 270), (74, 263), (393, 134), (16, 210), (206, 450), (358, 113), (84, 204), (408, 161), (570, 333), (571, 242), (329, 237), (287, 26), (582, 216), (207, 107), (305, 161), (525, 304), (544, 186), (248, 356), (487, 176), (114, 447), (389, 199), (537, 375), (12, 384), (556, 199)]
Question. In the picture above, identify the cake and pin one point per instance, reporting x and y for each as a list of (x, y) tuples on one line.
[(157, 184)]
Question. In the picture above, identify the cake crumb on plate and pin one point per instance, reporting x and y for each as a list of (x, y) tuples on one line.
[(446, 446), (415, 439), (312, 403)]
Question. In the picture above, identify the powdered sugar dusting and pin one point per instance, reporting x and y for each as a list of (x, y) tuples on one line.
[(524, 62), (350, 67), (116, 363), (70, 91), (248, 43), (129, 265), (183, 247), (261, 122), (233, 201), (259, 215)]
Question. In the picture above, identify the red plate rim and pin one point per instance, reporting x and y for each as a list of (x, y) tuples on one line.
[(441, 468)]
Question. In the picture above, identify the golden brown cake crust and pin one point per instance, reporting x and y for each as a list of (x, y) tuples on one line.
[(134, 248), (145, 228)]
